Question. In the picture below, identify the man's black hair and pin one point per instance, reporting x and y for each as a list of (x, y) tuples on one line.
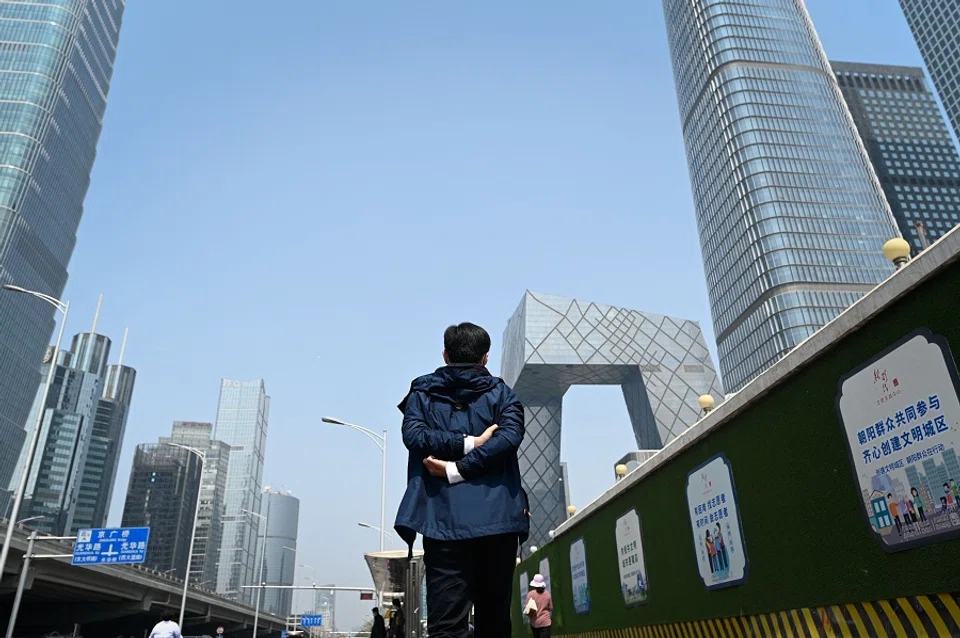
[(466, 343), (167, 616), (396, 601)]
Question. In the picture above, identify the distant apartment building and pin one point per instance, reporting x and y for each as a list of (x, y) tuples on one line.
[(906, 137), (162, 495)]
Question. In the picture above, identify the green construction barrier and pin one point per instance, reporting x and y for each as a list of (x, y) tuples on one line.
[(808, 543)]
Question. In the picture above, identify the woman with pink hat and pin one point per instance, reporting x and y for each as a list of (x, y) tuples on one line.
[(539, 607)]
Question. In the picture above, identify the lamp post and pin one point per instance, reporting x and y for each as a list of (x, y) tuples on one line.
[(263, 547), (63, 307), (381, 442), (193, 535), (706, 403), (621, 471), (897, 250), (390, 535)]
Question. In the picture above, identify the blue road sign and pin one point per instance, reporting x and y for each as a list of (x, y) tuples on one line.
[(116, 545), (311, 620)]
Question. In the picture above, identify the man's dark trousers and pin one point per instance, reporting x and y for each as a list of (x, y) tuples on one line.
[(477, 571)]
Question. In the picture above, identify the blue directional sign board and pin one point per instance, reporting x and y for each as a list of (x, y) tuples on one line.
[(116, 545), (311, 620)]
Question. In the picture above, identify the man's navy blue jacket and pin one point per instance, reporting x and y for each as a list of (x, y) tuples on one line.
[(439, 412)]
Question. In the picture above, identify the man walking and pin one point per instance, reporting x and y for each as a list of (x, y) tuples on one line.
[(463, 428)]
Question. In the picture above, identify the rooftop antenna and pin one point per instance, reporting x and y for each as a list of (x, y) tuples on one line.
[(123, 347), (96, 316)]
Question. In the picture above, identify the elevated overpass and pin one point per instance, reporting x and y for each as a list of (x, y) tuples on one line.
[(112, 600)]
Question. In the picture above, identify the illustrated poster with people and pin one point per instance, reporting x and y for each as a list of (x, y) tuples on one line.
[(633, 569), (901, 416), (715, 521), (578, 577)]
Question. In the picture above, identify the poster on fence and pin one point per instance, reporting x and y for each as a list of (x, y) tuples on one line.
[(524, 591), (633, 570), (545, 571), (578, 577), (715, 522), (900, 414)]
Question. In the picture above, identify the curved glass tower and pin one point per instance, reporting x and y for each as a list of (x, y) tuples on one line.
[(790, 213), (56, 61)]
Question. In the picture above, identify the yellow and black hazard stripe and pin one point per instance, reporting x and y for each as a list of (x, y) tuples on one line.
[(916, 616)]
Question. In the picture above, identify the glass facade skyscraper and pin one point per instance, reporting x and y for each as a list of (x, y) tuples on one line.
[(56, 60), (936, 27), (907, 139), (99, 473), (162, 495), (55, 474), (206, 550), (790, 214), (242, 418), (280, 557)]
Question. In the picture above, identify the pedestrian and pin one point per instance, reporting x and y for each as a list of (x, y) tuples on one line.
[(378, 629), (463, 427), (166, 628), (397, 620), (539, 607)]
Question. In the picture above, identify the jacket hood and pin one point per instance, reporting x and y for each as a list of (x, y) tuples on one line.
[(456, 383)]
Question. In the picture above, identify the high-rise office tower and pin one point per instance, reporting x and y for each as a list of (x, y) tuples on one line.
[(54, 480), (936, 27), (162, 495), (242, 417), (790, 214), (99, 472), (56, 60), (908, 142), (206, 549), (282, 510)]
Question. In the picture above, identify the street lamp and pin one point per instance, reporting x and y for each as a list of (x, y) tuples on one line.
[(706, 403), (27, 520), (263, 543), (390, 535), (381, 442), (63, 307), (897, 250), (193, 535)]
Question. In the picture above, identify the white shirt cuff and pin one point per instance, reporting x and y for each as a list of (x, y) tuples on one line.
[(469, 442), (453, 474)]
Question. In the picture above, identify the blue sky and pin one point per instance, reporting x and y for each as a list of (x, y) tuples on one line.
[(311, 194)]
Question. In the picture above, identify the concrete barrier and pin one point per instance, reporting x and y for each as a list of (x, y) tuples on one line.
[(811, 545)]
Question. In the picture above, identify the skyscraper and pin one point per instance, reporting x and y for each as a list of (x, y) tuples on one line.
[(280, 549), (162, 495), (242, 424), (56, 60), (99, 472), (551, 343), (936, 27), (791, 216), (54, 480), (908, 142), (206, 550)]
